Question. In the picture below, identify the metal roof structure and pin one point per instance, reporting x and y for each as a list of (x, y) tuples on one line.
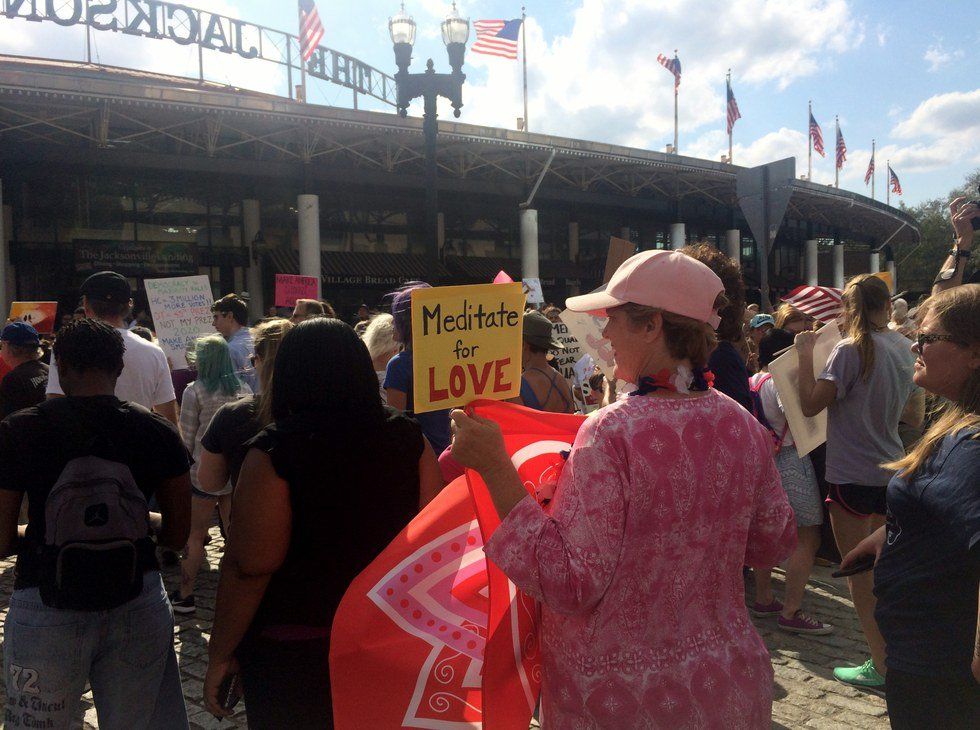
[(73, 112)]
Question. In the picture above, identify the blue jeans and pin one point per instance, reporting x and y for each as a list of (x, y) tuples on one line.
[(126, 654)]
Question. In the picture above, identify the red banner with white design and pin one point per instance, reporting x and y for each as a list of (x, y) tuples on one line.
[(432, 634)]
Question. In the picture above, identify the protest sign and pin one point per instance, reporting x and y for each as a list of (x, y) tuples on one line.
[(619, 250), (566, 359), (808, 432), (466, 344), (886, 277), (40, 315), (587, 329), (290, 287), (181, 309), (532, 290)]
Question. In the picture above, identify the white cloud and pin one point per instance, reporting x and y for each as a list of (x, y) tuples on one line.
[(955, 113), (881, 34), (937, 56)]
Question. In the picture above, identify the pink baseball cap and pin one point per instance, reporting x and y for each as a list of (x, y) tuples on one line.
[(668, 280)]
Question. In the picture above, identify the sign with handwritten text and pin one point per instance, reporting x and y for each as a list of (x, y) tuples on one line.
[(587, 329), (181, 309), (290, 287), (566, 359), (466, 344)]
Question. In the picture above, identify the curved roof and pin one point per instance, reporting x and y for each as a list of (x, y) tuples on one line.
[(46, 105)]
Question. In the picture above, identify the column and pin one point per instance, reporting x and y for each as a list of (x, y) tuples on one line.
[(7, 282), (441, 232), (309, 236), (529, 243), (733, 244), (811, 273), (890, 268), (838, 263), (874, 263), (251, 226), (777, 261), (573, 241), (677, 236)]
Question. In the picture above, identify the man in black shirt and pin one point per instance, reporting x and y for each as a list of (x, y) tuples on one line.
[(27, 380)]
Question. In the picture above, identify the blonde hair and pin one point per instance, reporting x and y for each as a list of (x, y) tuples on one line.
[(266, 338), (686, 338), (380, 337), (865, 295), (785, 314), (958, 311)]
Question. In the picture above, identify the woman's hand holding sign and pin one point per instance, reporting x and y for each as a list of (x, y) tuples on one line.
[(478, 444)]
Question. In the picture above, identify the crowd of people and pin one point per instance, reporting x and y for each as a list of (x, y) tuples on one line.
[(301, 431)]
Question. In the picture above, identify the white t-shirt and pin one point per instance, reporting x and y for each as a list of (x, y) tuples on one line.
[(145, 377), (772, 406)]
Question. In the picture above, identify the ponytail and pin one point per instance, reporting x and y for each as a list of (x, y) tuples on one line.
[(864, 296)]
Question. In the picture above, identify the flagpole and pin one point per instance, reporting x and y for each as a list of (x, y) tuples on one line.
[(524, 53), (836, 163), (728, 91), (888, 182), (809, 143), (675, 110), (302, 62), (873, 171)]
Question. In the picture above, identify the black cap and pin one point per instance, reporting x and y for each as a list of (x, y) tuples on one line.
[(107, 286)]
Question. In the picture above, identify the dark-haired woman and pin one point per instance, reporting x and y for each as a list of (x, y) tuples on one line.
[(308, 516), (866, 387), (928, 569)]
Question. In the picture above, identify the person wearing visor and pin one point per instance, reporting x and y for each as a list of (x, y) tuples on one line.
[(542, 387), (666, 493)]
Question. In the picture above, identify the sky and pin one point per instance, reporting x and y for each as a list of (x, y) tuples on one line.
[(901, 72)]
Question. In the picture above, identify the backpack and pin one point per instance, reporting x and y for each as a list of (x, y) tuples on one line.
[(97, 529), (755, 386)]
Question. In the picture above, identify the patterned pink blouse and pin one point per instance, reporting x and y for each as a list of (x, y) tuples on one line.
[(638, 566)]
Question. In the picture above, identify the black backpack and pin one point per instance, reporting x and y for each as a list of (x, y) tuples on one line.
[(97, 523)]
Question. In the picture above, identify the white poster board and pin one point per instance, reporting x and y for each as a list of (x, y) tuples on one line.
[(808, 433), (587, 329), (532, 290), (181, 309), (566, 359)]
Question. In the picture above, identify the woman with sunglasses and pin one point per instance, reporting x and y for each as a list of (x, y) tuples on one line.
[(928, 555), (866, 388)]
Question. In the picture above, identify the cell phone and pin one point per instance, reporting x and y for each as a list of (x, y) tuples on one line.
[(861, 565), (230, 692)]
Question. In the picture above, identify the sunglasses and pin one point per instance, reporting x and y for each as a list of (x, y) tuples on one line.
[(922, 339)]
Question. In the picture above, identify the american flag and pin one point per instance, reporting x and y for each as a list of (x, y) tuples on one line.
[(871, 170), (673, 65), (497, 37), (841, 149), (310, 28), (820, 302), (893, 181), (733, 112), (817, 136)]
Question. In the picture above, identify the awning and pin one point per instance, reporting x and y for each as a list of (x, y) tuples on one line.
[(356, 268)]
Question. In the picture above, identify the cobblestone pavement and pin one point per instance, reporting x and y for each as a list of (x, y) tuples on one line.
[(806, 695)]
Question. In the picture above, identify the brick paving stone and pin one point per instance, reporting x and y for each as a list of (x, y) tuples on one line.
[(806, 695)]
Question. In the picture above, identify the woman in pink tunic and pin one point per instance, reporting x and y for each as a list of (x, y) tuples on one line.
[(665, 496)]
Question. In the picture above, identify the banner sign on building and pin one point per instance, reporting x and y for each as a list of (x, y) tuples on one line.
[(160, 258), (466, 344), (40, 315), (290, 287), (181, 309)]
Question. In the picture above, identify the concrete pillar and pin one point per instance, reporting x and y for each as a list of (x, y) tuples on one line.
[(777, 262), (441, 231), (573, 241), (251, 225), (890, 268), (874, 263), (309, 237), (7, 281), (529, 243), (733, 244), (811, 274), (677, 236), (838, 264)]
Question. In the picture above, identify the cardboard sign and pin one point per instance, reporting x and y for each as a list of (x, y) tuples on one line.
[(466, 344), (40, 315), (532, 290), (181, 309), (886, 277), (566, 359), (587, 329), (808, 432), (619, 250), (290, 287)]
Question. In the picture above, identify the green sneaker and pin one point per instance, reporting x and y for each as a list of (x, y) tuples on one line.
[(864, 676)]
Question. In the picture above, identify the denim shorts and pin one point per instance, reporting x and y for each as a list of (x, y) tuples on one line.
[(126, 654)]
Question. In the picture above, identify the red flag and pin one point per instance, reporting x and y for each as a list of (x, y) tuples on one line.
[(452, 640)]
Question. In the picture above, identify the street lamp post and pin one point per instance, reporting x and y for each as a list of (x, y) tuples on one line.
[(430, 86)]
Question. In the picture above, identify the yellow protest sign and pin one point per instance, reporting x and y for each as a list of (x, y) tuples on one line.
[(886, 277), (466, 344)]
